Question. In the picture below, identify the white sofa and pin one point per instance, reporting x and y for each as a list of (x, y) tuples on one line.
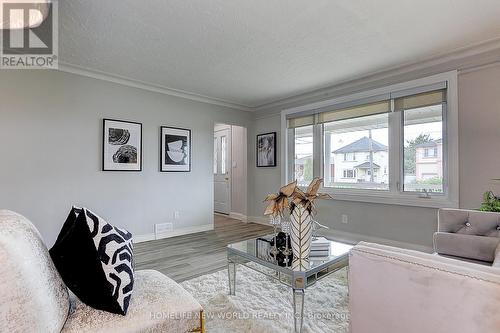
[(393, 290), (35, 299)]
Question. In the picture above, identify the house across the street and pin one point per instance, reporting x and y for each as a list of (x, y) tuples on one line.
[(429, 160), (364, 160)]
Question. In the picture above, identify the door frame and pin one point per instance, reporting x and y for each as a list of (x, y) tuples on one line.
[(218, 127)]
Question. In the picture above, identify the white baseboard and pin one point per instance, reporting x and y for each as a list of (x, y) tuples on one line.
[(244, 218), (238, 216), (143, 238), (178, 232), (221, 214), (342, 236), (259, 220), (353, 238)]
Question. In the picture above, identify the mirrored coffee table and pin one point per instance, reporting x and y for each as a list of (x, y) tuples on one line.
[(251, 254)]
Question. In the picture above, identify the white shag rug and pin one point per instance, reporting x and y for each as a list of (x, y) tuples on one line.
[(263, 305)]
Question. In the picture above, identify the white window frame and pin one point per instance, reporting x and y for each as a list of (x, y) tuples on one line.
[(395, 194)]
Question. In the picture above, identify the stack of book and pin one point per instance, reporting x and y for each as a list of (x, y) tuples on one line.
[(264, 248), (320, 247)]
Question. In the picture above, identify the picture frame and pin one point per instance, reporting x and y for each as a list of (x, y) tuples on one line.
[(121, 145), (175, 149), (266, 150)]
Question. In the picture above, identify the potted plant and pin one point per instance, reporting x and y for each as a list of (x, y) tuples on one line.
[(300, 205), (491, 203)]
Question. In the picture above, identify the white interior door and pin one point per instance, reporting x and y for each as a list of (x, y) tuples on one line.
[(222, 171)]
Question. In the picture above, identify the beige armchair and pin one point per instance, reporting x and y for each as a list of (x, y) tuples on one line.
[(35, 299)]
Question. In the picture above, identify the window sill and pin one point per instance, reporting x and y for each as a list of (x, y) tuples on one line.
[(390, 198)]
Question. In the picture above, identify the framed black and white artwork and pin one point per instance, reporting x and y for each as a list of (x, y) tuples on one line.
[(266, 150), (175, 149), (121, 146)]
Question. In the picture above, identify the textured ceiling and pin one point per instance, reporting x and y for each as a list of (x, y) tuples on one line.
[(253, 52)]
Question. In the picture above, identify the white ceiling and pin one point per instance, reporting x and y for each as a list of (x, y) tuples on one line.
[(253, 52)]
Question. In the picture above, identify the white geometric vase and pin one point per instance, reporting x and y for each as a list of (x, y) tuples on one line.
[(300, 236)]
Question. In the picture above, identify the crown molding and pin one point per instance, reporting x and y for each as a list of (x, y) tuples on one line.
[(125, 81), (463, 59), (479, 67)]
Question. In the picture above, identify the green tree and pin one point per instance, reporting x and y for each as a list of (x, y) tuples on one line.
[(410, 152), (308, 169)]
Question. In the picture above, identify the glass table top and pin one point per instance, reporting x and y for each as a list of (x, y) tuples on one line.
[(323, 251)]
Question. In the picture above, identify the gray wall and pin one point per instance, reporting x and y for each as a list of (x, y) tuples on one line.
[(239, 176), (50, 135), (266, 180), (50, 148), (479, 130), (479, 136)]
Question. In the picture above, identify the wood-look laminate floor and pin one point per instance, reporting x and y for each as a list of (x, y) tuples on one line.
[(188, 256)]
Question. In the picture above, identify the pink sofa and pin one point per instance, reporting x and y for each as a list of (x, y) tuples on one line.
[(393, 290)]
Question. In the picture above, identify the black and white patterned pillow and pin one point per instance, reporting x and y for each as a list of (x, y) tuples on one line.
[(95, 260)]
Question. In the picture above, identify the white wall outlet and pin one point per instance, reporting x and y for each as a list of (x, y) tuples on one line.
[(345, 219), (163, 227)]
